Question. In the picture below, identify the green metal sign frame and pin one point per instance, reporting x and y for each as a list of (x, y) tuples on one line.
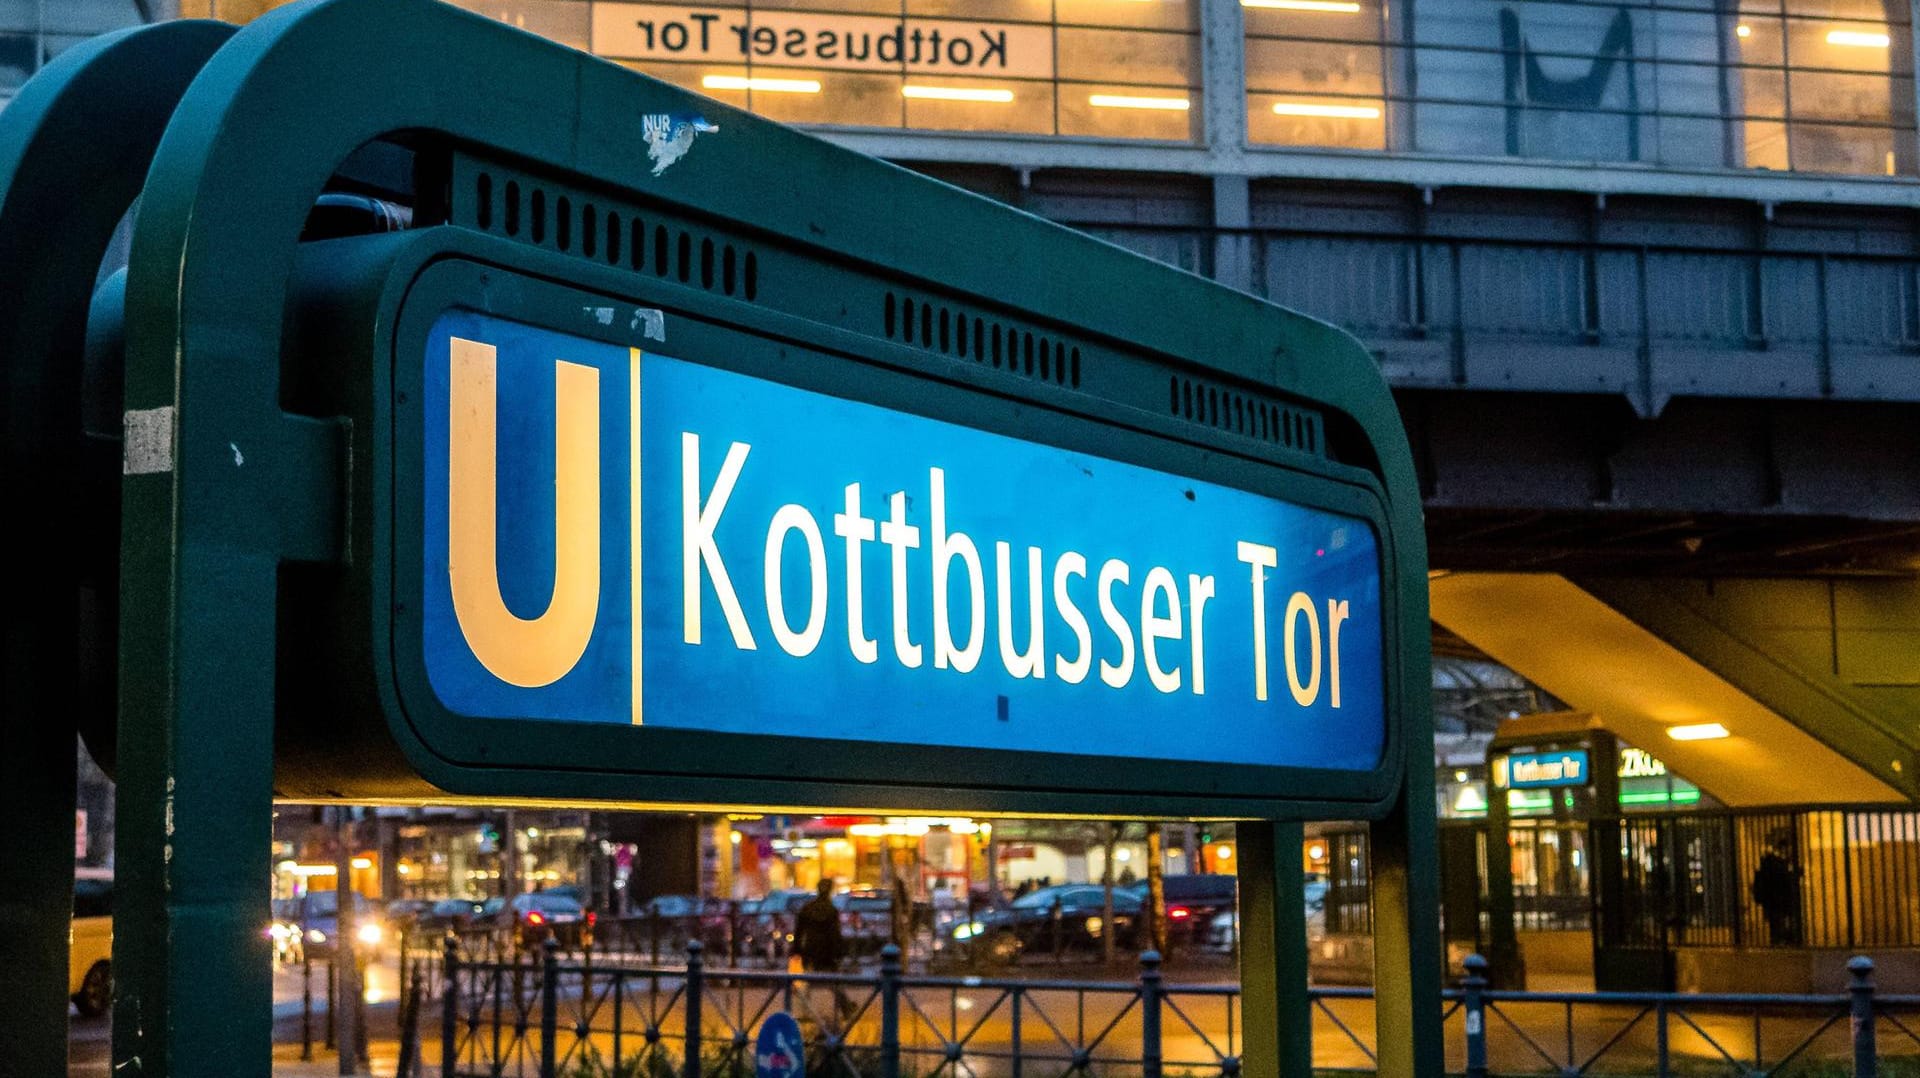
[(263, 382), (63, 190)]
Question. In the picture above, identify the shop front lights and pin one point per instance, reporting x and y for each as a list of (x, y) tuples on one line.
[(1865, 39)]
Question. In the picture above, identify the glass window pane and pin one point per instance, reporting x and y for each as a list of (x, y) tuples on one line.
[(1860, 150), (1758, 40), (1132, 56), (1470, 130), (1349, 20), (1843, 46), (1821, 95), (16, 60), (1314, 67), (1127, 111), (1307, 120), (1154, 14), (961, 104)]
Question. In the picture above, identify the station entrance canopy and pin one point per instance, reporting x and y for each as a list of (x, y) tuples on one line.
[(670, 457)]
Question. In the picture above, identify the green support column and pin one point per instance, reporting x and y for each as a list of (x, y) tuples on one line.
[(1504, 966), (221, 488), (1407, 957), (93, 114), (1277, 1012)]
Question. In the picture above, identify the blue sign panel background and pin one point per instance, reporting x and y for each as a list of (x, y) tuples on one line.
[(802, 450)]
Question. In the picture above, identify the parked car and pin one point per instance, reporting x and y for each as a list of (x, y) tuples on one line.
[(1224, 930), (317, 919), (866, 921), (1192, 902), (768, 924), (283, 929), (448, 915), (543, 913), (90, 943), (1027, 924), (405, 912), (676, 919)]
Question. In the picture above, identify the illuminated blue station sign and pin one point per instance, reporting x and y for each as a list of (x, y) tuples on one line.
[(619, 537), (1532, 770)]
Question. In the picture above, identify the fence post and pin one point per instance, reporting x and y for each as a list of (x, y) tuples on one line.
[(1866, 1061), (449, 1003), (333, 1008), (1660, 1046), (1150, 1014), (696, 972), (653, 935), (410, 1001), (890, 1011), (306, 1005), (549, 1004), (1475, 1006), (733, 934)]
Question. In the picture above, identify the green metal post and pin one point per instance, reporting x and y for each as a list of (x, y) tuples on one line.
[(1503, 945), (1407, 956), (74, 147), (1273, 950)]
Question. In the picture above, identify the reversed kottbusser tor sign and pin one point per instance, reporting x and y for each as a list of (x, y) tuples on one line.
[(607, 530), (847, 42)]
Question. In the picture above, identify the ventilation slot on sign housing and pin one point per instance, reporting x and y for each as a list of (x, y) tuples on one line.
[(1244, 413), (572, 222), (990, 342)]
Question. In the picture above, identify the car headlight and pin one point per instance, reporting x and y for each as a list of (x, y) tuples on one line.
[(968, 931), (314, 935), (369, 934), (277, 931)]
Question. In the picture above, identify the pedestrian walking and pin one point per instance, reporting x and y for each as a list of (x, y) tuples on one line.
[(819, 943), (816, 932), (1776, 890)]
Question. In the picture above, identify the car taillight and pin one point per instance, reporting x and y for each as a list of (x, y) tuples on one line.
[(1179, 913), (536, 918), (592, 918)]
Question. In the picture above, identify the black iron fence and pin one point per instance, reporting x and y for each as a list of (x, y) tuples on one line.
[(1837, 878), (545, 1016)]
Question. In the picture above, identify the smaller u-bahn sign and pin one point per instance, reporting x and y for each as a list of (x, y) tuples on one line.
[(1531, 770), (610, 533)]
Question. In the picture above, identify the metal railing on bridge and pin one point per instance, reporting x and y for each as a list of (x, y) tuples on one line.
[(1805, 321)]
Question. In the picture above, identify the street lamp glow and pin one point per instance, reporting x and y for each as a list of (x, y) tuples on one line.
[(772, 86), (1338, 7), (1698, 731), (1344, 112), (1128, 101), (1862, 38), (956, 93)]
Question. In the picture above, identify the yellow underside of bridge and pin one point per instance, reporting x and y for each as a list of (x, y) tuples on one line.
[(1561, 638)]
